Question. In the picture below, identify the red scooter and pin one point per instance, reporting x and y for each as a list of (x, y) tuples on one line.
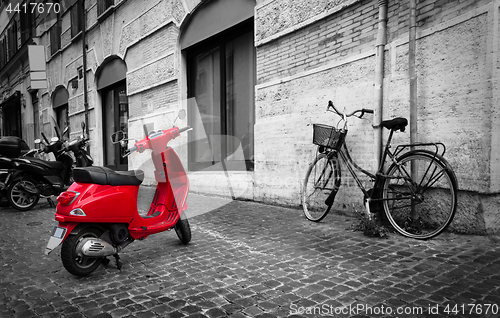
[(98, 214)]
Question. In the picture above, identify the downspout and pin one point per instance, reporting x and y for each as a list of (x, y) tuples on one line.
[(412, 72), (413, 89), (84, 66), (379, 79)]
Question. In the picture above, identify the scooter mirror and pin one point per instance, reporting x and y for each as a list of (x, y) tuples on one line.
[(182, 114), (118, 136)]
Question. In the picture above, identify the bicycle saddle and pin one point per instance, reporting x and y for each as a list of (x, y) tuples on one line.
[(398, 123)]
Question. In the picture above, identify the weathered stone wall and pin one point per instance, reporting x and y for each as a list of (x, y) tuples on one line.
[(144, 35)]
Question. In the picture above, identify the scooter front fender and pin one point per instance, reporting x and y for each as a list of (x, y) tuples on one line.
[(59, 233)]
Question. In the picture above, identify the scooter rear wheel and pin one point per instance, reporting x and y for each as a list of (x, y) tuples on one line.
[(19, 198), (183, 230), (74, 263)]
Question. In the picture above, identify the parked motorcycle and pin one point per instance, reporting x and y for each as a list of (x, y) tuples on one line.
[(98, 215), (10, 147), (33, 177)]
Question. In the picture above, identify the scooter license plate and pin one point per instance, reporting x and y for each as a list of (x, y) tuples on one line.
[(55, 239)]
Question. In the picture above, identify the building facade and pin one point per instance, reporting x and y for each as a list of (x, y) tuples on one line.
[(262, 72)]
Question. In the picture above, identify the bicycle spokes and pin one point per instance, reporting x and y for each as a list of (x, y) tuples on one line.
[(322, 178), (419, 196)]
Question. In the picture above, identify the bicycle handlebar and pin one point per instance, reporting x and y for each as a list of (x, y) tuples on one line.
[(362, 111)]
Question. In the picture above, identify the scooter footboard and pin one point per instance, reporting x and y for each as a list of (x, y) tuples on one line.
[(161, 220), (59, 233)]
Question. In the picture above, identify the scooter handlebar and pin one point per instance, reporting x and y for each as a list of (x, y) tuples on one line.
[(129, 151), (143, 146), (183, 129)]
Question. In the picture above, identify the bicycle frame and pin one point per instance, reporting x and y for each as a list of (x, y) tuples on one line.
[(379, 177)]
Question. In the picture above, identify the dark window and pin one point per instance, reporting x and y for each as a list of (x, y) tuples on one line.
[(103, 5), (221, 79), (55, 38), (3, 53), (26, 26), (36, 114), (76, 19), (13, 39), (62, 116)]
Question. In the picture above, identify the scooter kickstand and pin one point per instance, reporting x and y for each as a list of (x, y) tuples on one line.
[(105, 261), (119, 263), (51, 203)]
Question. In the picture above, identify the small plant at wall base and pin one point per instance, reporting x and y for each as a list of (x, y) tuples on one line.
[(370, 227)]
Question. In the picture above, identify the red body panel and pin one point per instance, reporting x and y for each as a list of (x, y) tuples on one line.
[(101, 203)]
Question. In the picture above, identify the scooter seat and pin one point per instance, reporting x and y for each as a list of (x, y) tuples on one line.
[(107, 176), (56, 165)]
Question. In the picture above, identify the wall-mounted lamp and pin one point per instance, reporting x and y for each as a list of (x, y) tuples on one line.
[(74, 84)]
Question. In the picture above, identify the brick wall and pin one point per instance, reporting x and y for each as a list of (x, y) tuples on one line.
[(153, 99), (345, 32)]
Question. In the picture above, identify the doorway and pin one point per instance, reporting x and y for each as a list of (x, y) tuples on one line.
[(115, 117)]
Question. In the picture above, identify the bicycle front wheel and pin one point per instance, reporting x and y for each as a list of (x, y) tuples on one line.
[(420, 195), (322, 177)]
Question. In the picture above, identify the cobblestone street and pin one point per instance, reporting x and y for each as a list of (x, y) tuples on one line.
[(252, 260)]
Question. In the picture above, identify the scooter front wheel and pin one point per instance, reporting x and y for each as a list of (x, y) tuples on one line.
[(19, 197), (183, 230), (72, 259)]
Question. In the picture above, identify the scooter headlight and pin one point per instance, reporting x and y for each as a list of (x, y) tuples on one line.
[(77, 212)]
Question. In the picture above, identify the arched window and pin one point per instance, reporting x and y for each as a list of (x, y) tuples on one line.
[(220, 51)]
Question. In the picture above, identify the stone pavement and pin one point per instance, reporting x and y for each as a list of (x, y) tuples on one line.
[(252, 260)]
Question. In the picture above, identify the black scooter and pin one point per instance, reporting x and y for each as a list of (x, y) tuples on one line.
[(11, 147), (34, 177)]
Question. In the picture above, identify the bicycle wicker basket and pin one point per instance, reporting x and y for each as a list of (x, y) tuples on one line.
[(328, 136)]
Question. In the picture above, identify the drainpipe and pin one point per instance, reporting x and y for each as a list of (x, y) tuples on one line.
[(84, 66), (411, 70), (379, 79), (413, 88)]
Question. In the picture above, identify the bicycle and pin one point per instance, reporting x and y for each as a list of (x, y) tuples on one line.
[(418, 192)]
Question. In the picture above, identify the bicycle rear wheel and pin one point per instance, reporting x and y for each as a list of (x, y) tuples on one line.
[(322, 177), (420, 205)]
